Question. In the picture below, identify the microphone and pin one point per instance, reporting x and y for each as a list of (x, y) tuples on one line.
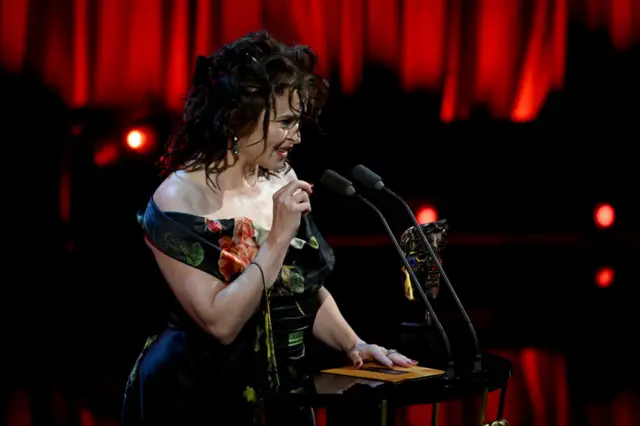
[(343, 186), (337, 183), (371, 180)]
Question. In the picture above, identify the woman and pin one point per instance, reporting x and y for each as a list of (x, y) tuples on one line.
[(231, 232)]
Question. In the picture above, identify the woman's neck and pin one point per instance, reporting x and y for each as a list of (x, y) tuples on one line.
[(238, 177)]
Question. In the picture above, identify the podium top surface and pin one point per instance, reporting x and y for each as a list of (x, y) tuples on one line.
[(324, 389)]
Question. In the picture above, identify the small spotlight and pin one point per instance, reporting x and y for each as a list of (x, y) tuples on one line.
[(140, 139), (105, 155), (604, 277), (134, 139), (604, 215), (426, 214)]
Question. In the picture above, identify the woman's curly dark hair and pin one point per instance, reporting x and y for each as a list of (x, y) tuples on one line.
[(231, 88)]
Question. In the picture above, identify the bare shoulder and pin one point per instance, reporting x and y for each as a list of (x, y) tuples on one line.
[(180, 192)]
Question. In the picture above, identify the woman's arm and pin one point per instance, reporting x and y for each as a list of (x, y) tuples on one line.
[(330, 326), (222, 309)]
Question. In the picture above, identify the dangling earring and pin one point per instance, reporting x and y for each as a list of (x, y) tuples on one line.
[(235, 148)]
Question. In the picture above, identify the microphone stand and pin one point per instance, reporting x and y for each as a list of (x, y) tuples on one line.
[(449, 372)]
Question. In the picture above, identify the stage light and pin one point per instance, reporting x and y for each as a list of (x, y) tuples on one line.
[(134, 139), (140, 139), (604, 277), (105, 154), (604, 215), (426, 214)]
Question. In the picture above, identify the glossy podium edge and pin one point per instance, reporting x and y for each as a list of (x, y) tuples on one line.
[(423, 391)]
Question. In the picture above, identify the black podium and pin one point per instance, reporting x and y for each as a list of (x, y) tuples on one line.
[(329, 390)]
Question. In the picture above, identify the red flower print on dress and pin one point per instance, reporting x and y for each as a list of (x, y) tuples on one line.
[(237, 252), (243, 232), (213, 225)]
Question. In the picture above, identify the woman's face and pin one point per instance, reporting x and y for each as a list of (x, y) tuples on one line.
[(282, 136)]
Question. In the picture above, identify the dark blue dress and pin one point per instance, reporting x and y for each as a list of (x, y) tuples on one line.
[(184, 376)]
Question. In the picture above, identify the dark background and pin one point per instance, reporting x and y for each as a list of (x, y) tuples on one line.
[(77, 299)]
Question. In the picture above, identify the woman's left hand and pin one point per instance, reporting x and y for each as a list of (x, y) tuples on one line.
[(389, 357)]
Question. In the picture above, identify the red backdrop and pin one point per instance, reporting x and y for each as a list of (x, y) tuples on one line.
[(503, 54)]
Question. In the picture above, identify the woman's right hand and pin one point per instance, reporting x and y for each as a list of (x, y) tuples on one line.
[(289, 204)]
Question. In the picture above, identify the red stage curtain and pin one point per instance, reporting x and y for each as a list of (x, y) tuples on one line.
[(504, 55)]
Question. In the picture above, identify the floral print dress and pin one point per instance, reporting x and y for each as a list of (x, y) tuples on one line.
[(184, 375)]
